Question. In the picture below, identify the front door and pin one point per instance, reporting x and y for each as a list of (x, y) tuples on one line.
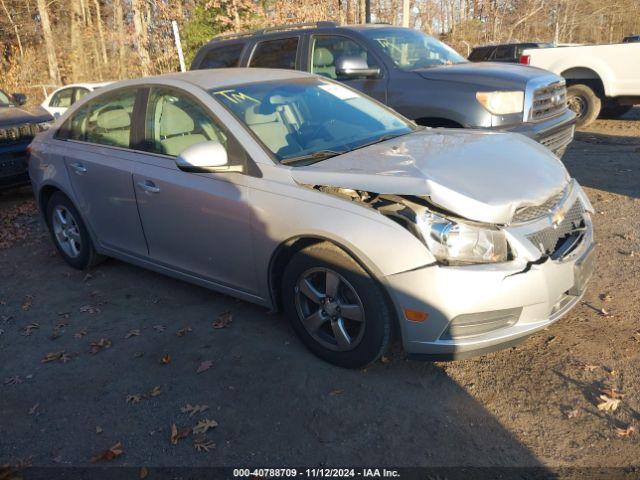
[(197, 223), (326, 50), (100, 166)]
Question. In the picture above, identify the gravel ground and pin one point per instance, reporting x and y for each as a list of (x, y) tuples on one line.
[(127, 345)]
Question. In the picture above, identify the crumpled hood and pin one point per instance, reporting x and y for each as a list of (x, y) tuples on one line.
[(17, 115), (485, 74), (482, 176)]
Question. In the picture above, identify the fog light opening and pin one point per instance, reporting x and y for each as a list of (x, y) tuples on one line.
[(473, 324)]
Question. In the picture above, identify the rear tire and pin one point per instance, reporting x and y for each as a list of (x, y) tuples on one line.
[(320, 285), (69, 233), (585, 103)]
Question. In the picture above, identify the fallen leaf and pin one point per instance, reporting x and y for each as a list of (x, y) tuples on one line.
[(204, 425), (224, 320), (15, 380), (55, 334), (133, 399), (28, 330), (606, 297), (176, 435), (80, 333), (98, 429), (204, 366), (604, 312), (193, 409), (183, 331), (132, 333), (611, 392), (55, 356), (138, 355), (201, 444), (99, 345), (589, 367), (335, 392), (33, 409), (155, 392), (608, 404), (573, 413), (108, 455), (626, 432), (27, 303), (385, 359), (87, 277), (165, 360), (144, 473), (91, 309), (159, 328)]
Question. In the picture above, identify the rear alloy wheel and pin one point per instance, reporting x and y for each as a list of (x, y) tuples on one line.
[(585, 103), (336, 308), (69, 233)]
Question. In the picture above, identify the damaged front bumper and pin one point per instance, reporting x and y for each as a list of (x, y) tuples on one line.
[(476, 309)]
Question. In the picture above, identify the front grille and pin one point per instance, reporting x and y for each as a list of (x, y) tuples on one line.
[(558, 141), (526, 214), (548, 101), (18, 133), (549, 239)]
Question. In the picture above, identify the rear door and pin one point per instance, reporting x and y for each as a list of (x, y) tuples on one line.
[(196, 223), (327, 49), (99, 163), (60, 101)]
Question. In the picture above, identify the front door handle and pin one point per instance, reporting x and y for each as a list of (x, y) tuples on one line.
[(79, 168), (149, 186)]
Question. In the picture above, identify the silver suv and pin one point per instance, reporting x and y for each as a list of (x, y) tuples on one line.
[(290, 190)]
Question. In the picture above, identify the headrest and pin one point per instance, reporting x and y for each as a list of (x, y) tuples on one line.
[(174, 121), (254, 116), (322, 57), (114, 119)]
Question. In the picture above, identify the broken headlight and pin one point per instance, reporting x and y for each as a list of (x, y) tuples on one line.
[(454, 242)]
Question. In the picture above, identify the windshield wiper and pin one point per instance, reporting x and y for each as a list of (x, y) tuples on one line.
[(311, 158)]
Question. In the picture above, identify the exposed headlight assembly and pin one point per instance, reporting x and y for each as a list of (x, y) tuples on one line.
[(501, 103), (457, 243), (43, 126)]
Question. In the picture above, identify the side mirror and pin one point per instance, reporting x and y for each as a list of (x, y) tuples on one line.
[(208, 156), (355, 67), (20, 98)]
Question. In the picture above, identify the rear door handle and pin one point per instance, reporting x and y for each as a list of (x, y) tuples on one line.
[(149, 186), (79, 168)]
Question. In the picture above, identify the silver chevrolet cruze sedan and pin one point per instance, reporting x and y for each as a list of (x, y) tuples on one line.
[(295, 192)]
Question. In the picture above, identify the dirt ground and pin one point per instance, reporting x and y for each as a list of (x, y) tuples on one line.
[(274, 403)]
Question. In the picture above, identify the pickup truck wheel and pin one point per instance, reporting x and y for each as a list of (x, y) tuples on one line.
[(614, 111), (69, 233), (585, 103), (335, 307)]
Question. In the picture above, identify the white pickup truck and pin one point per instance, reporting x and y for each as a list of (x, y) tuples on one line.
[(602, 80)]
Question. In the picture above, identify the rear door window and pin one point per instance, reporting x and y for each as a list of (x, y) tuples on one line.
[(280, 53), (224, 56), (504, 52)]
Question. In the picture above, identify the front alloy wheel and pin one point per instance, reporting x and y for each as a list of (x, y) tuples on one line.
[(66, 231), (336, 308), (330, 309)]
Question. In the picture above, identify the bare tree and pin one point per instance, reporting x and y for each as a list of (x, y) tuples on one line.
[(52, 60)]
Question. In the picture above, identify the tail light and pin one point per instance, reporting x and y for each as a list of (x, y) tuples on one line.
[(525, 59)]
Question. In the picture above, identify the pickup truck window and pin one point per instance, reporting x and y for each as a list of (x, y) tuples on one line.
[(411, 49), (225, 56), (280, 53)]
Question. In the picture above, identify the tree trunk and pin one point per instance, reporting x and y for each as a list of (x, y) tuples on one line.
[(140, 33), (103, 46), (15, 28), (76, 56), (120, 38), (52, 60)]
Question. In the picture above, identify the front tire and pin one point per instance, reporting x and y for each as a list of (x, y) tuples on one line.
[(335, 307), (585, 103), (69, 233)]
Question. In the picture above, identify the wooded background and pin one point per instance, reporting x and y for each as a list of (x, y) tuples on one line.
[(54, 42)]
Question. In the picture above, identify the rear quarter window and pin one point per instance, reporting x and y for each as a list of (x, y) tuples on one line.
[(223, 56)]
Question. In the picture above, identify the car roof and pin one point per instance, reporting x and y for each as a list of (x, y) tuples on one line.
[(220, 77), (88, 85)]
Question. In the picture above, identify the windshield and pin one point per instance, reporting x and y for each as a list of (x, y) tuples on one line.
[(5, 101), (411, 49), (310, 117)]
